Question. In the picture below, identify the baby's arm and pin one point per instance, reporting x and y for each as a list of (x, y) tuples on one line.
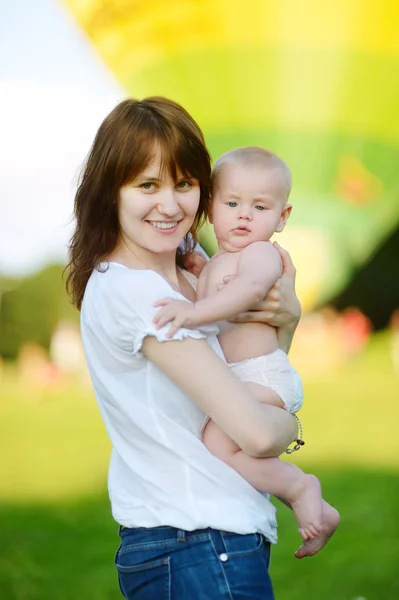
[(281, 308), (249, 286)]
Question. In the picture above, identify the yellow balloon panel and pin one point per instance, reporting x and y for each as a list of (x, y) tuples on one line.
[(270, 63), (177, 25)]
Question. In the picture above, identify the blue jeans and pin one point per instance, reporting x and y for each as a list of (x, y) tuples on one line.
[(165, 563)]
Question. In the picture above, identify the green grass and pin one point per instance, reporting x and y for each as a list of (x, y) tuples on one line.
[(361, 560), (65, 550), (57, 537)]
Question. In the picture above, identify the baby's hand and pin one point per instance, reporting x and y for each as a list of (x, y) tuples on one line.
[(181, 313), (195, 262)]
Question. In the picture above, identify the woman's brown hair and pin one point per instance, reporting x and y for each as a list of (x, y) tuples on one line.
[(121, 150)]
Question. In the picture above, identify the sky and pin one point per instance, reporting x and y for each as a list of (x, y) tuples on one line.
[(54, 92)]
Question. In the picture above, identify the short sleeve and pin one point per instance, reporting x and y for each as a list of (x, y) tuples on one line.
[(131, 297)]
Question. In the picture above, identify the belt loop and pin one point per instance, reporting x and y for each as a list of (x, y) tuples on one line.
[(181, 535)]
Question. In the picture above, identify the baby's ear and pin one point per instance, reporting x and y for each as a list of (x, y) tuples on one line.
[(284, 217)]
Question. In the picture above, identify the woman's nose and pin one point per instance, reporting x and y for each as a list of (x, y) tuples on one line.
[(168, 204)]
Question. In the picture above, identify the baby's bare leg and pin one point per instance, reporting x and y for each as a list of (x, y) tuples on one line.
[(284, 480), (219, 442), (271, 475), (330, 517), (264, 394)]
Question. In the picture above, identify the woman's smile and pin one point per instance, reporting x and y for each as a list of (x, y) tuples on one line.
[(165, 227)]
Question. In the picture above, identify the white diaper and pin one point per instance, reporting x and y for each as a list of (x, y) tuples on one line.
[(273, 371)]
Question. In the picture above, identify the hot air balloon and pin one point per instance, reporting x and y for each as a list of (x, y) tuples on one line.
[(316, 82)]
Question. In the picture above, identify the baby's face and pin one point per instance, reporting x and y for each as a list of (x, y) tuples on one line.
[(249, 204)]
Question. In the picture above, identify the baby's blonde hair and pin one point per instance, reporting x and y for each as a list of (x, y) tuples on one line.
[(252, 156)]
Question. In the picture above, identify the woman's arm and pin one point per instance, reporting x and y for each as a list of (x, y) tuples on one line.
[(281, 307), (260, 430)]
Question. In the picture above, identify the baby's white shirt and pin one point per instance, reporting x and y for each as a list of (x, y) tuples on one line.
[(160, 471)]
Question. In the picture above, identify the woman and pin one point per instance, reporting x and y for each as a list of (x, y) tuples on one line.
[(191, 527)]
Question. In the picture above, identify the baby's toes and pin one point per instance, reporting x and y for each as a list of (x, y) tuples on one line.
[(303, 533), (314, 531)]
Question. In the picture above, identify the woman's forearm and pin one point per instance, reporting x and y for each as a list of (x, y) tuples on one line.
[(259, 429), (285, 431), (285, 336)]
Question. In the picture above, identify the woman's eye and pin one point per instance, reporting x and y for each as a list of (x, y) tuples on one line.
[(148, 185), (232, 204), (184, 185)]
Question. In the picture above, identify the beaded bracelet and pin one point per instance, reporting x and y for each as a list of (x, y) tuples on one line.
[(299, 442)]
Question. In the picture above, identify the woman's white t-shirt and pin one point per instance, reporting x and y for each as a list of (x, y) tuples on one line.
[(160, 471)]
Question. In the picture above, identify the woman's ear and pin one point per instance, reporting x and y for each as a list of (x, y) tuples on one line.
[(284, 217)]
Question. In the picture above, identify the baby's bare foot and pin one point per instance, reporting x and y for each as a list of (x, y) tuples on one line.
[(307, 507), (330, 522)]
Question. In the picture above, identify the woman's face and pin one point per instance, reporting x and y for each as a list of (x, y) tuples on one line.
[(155, 212)]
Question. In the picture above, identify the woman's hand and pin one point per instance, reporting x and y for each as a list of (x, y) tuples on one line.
[(281, 307)]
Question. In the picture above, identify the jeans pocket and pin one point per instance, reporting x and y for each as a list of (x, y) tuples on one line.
[(241, 545), (143, 574)]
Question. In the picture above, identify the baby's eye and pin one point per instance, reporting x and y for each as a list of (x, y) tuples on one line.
[(260, 207), (232, 204)]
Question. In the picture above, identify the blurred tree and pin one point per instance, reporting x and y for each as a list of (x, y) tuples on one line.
[(32, 309)]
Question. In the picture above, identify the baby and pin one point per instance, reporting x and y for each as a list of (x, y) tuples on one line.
[(250, 190)]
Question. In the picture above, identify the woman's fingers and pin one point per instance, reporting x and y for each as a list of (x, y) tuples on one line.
[(288, 265), (274, 294), (253, 316)]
